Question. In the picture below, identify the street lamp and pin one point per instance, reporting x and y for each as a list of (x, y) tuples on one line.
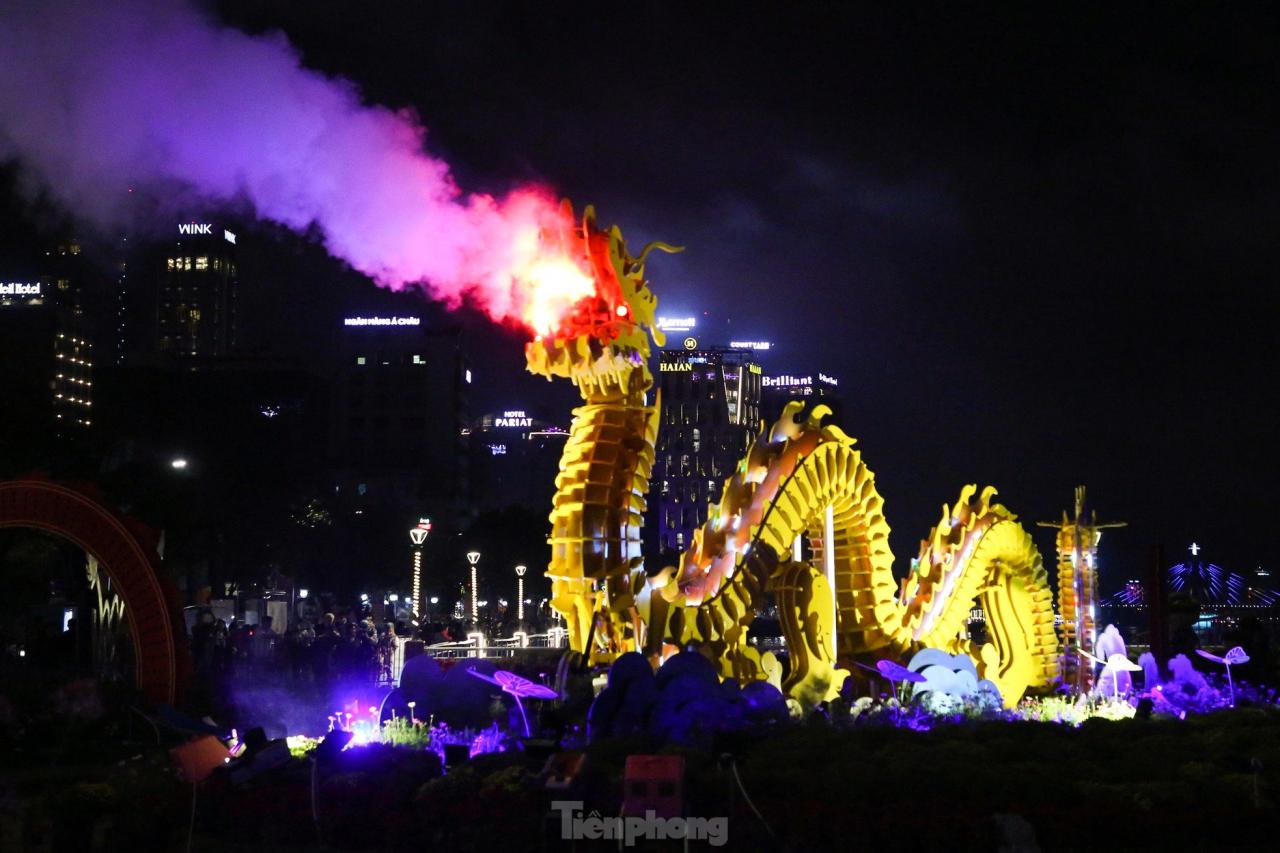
[(418, 535), (520, 570), (178, 464), (473, 557)]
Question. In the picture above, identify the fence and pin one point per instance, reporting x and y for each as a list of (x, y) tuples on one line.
[(478, 646)]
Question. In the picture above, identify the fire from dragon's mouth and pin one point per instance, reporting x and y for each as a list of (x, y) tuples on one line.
[(552, 285), (546, 265)]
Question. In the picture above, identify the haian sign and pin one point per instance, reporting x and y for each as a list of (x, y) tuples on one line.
[(674, 366)]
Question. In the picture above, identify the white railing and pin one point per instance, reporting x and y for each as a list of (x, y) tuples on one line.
[(478, 646)]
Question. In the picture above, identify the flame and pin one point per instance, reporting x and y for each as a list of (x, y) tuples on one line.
[(532, 268), (553, 285)]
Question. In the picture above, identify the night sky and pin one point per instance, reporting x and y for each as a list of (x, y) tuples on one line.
[(1034, 248)]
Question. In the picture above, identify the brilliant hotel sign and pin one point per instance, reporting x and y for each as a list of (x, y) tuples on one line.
[(23, 290)]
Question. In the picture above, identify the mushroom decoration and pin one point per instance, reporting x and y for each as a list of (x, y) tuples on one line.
[(1235, 656), (519, 688), (1115, 663)]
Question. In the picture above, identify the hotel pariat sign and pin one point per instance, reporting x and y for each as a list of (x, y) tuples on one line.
[(513, 418)]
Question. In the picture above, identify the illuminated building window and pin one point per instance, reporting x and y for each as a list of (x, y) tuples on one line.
[(417, 359), (202, 263), (361, 360), (186, 263), (170, 264)]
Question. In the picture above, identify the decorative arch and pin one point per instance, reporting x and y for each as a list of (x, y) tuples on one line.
[(125, 553)]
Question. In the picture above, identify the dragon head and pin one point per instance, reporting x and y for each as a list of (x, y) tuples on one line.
[(602, 338)]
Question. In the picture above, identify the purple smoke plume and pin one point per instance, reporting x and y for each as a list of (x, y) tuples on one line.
[(98, 97)]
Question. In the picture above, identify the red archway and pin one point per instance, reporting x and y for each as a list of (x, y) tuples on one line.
[(121, 548)]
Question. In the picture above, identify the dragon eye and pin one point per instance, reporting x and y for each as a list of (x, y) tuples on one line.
[(622, 310)]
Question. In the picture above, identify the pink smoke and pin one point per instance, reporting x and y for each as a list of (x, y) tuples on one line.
[(101, 96)]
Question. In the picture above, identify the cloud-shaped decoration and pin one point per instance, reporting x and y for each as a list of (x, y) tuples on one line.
[(1185, 675), (953, 675), (452, 695), (622, 708), (1150, 670), (764, 703), (685, 702)]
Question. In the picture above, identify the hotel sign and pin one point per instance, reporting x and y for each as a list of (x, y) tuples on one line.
[(796, 381), (513, 418), (382, 321), (19, 288), (674, 366), (677, 324)]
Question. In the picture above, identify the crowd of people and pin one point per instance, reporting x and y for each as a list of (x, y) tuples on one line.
[(326, 647), (321, 651)]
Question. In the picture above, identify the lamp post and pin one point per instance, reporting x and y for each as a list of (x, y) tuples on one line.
[(520, 570), (473, 557), (418, 536)]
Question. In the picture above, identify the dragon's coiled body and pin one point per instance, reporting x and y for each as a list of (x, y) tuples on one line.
[(597, 514), (801, 481)]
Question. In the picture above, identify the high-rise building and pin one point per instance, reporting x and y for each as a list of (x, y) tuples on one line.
[(46, 363), (710, 416), (779, 389), (196, 293), (399, 423), (514, 460), (118, 342)]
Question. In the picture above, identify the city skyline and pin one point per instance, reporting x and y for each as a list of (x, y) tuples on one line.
[(1093, 316)]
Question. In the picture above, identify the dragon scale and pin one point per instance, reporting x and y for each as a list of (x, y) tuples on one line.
[(801, 478)]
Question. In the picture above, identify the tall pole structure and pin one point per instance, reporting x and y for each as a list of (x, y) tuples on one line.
[(473, 557), (418, 536), (520, 570), (1077, 543)]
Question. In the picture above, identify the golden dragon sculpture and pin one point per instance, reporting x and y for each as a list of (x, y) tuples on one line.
[(803, 480)]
